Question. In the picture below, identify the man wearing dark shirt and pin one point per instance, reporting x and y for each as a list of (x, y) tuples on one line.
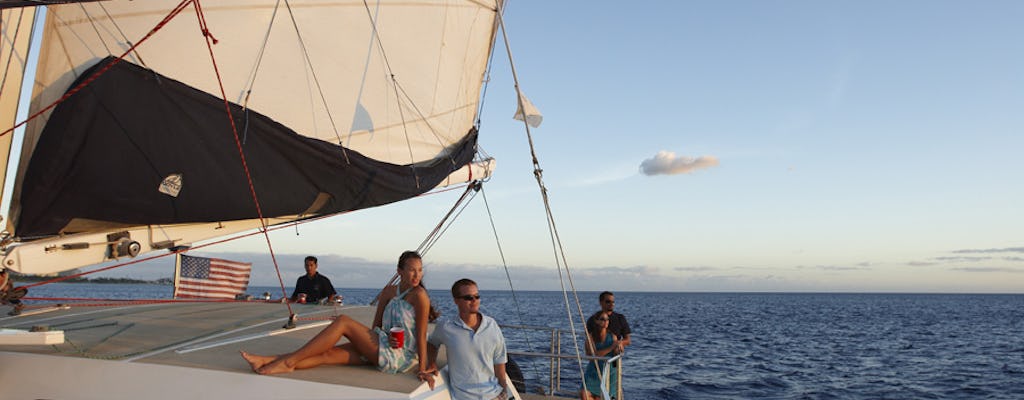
[(314, 285), (616, 322)]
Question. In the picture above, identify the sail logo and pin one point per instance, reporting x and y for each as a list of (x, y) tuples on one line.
[(171, 185)]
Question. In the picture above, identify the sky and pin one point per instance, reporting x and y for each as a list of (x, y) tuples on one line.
[(784, 146)]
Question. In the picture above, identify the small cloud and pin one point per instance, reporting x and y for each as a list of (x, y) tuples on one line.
[(1014, 258), (921, 263), (865, 264), (859, 267), (962, 259), (989, 269), (986, 251), (667, 163), (694, 269), (840, 268)]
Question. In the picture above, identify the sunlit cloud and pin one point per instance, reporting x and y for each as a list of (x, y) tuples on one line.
[(962, 259), (989, 269), (986, 251), (668, 163), (859, 267), (841, 268), (695, 269)]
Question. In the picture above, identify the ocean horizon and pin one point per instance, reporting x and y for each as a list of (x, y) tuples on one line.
[(725, 345)]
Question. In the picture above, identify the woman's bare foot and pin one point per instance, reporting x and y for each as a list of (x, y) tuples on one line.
[(257, 361), (276, 366)]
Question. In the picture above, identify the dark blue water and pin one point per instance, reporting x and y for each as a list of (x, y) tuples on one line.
[(750, 345)]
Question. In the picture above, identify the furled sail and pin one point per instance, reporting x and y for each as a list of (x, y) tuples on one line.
[(339, 106)]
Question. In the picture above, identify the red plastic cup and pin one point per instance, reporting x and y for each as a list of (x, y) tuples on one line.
[(398, 334), (302, 298)]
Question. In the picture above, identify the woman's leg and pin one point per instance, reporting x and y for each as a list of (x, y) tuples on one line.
[(321, 350)]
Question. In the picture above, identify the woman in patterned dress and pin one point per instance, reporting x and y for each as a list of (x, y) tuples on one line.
[(405, 305)]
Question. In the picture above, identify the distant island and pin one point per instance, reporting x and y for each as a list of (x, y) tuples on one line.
[(39, 278)]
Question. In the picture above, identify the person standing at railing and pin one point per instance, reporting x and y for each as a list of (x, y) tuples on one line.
[(617, 323), (603, 343)]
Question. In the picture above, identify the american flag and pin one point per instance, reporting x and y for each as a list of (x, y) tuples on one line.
[(201, 277)]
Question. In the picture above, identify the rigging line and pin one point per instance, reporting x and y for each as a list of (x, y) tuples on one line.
[(423, 247), (10, 57), (123, 36), (394, 85), (553, 230), (316, 81), (423, 117), (452, 221), (487, 75), (92, 23), (429, 241), (259, 56), (504, 263), (241, 153), (255, 71), (173, 13), (366, 66)]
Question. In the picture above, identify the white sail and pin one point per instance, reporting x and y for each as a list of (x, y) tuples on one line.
[(15, 35), (386, 85)]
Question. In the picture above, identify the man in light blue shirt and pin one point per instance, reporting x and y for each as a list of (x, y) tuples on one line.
[(476, 349)]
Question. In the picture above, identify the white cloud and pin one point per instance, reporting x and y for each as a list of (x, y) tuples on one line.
[(667, 163)]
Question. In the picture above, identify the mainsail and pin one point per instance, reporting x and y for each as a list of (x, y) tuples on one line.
[(338, 106)]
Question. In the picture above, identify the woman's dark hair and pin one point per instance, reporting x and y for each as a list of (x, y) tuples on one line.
[(406, 256), (593, 326), (412, 255)]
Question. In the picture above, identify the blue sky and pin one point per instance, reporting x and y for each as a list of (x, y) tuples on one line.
[(826, 146)]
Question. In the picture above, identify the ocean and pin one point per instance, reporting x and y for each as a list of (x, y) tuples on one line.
[(755, 345)]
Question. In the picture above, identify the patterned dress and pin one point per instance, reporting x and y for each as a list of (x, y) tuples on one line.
[(397, 313)]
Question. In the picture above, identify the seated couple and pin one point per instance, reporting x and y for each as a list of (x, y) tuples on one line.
[(408, 306)]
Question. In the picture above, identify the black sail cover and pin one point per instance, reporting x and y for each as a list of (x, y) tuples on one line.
[(106, 150)]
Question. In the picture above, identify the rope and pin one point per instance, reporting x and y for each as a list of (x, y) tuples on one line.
[(394, 85), (173, 13), (434, 234), (323, 99), (123, 36), (256, 69), (556, 242), (504, 263), (238, 143)]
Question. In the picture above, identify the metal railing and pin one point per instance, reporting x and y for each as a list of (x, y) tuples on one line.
[(555, 357)]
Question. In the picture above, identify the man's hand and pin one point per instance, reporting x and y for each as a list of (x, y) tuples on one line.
[(428, 376)]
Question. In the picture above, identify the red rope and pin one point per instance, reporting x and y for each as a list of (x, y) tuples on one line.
[(238, 143), (97, 74), (118, 302)]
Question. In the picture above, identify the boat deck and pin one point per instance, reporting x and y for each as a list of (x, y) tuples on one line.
[(203, 337)]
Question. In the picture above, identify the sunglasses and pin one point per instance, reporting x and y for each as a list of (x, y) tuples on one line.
[(602, 319), (469, 297)]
